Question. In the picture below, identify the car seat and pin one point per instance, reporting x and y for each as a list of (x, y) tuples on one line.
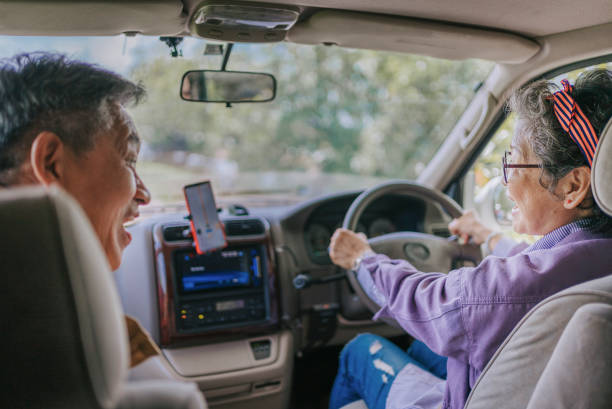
[(64, 336), (559, 355)]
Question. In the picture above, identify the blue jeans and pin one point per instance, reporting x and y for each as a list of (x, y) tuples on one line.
[(368, 365)]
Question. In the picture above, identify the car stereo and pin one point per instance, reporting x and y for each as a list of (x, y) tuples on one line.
[(221, 289)]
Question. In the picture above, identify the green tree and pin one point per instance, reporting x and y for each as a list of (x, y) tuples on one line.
[(337, 110)]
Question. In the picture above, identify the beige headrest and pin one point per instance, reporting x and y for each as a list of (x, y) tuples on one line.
[(66, 339), (601, 173)]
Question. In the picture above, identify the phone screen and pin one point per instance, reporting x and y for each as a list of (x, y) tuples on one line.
[(206, 228)]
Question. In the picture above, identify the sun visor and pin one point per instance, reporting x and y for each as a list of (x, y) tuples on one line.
[(442, 40), (149, 17)]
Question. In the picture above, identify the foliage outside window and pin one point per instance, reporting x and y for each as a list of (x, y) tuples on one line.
[(343, 119)]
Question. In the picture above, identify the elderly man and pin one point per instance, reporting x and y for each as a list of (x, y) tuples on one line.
[(64, 122)]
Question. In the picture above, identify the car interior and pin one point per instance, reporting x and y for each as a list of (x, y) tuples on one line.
[(260, 322)]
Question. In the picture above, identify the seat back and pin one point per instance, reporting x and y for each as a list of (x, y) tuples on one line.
[(64, 339), (534, 360), (579, 370), (601, 174), (510, 377)]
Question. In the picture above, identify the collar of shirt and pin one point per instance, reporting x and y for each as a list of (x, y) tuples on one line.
[(551, 239)]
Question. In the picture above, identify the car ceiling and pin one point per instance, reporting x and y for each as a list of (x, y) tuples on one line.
[(531, 18), (480, 27)]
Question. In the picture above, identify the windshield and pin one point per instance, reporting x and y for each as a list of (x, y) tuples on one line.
[(342, 119)]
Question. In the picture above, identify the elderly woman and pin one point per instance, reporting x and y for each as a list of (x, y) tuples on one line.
[(465, 315)]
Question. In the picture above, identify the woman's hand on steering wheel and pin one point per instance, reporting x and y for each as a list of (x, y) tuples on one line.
[(468, 226), (424, 250), (346, 246)]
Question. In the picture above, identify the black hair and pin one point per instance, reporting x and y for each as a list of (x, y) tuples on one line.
[(49, 92)]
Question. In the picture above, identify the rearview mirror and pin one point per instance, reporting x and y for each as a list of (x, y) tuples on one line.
[(227, 86), (502, 206), (493, 205)]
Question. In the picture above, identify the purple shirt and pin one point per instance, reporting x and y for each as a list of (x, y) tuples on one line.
[(467, 313)]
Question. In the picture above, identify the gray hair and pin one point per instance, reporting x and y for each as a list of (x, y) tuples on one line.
[(50, 92), (542, 134)]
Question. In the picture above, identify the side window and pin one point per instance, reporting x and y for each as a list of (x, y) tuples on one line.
[(488, 165), (484, 191), (487, 195)]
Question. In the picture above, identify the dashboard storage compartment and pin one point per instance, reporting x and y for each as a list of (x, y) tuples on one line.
[(223, 357)]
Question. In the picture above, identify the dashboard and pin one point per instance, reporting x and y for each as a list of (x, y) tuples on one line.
[(231, 320), (386, 215)]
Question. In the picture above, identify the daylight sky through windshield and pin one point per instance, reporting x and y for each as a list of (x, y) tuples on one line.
[(343, 119)]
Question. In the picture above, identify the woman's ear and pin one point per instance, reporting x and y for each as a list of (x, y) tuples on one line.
[(47, 157), (575, 186)]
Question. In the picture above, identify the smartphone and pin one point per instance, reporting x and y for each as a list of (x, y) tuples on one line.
[(206, 228)]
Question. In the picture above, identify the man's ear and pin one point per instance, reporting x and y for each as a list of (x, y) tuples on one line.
[(576, 186), (47, 157)]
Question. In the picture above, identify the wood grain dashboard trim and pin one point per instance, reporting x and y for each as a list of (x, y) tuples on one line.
[(164, 252)]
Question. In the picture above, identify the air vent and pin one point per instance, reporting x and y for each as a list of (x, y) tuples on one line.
[(177, 233), (441, 232), (244, 227)]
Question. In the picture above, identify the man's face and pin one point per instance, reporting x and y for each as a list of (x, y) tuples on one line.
[(105, 183)]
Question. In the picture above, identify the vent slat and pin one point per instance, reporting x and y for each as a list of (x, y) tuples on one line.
[(441, 232), (247, 227), (244, 227), (176, 233)]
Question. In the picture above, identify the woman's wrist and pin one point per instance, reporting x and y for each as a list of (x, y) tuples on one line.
[(495, 238), (483, 235), (491, 241), (357, 261)]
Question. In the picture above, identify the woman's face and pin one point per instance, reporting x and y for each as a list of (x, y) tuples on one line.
[(536, 210)]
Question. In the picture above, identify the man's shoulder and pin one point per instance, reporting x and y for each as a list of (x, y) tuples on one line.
[(142, 345)]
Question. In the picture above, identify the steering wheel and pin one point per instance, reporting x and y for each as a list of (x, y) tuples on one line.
[(427, 252)]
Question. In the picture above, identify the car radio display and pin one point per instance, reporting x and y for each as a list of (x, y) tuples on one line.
[(223, 269)]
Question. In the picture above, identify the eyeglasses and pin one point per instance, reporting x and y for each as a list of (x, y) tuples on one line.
[(506, 166)]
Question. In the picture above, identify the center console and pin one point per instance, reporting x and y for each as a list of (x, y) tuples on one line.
[(214, 294), (223, 289)]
